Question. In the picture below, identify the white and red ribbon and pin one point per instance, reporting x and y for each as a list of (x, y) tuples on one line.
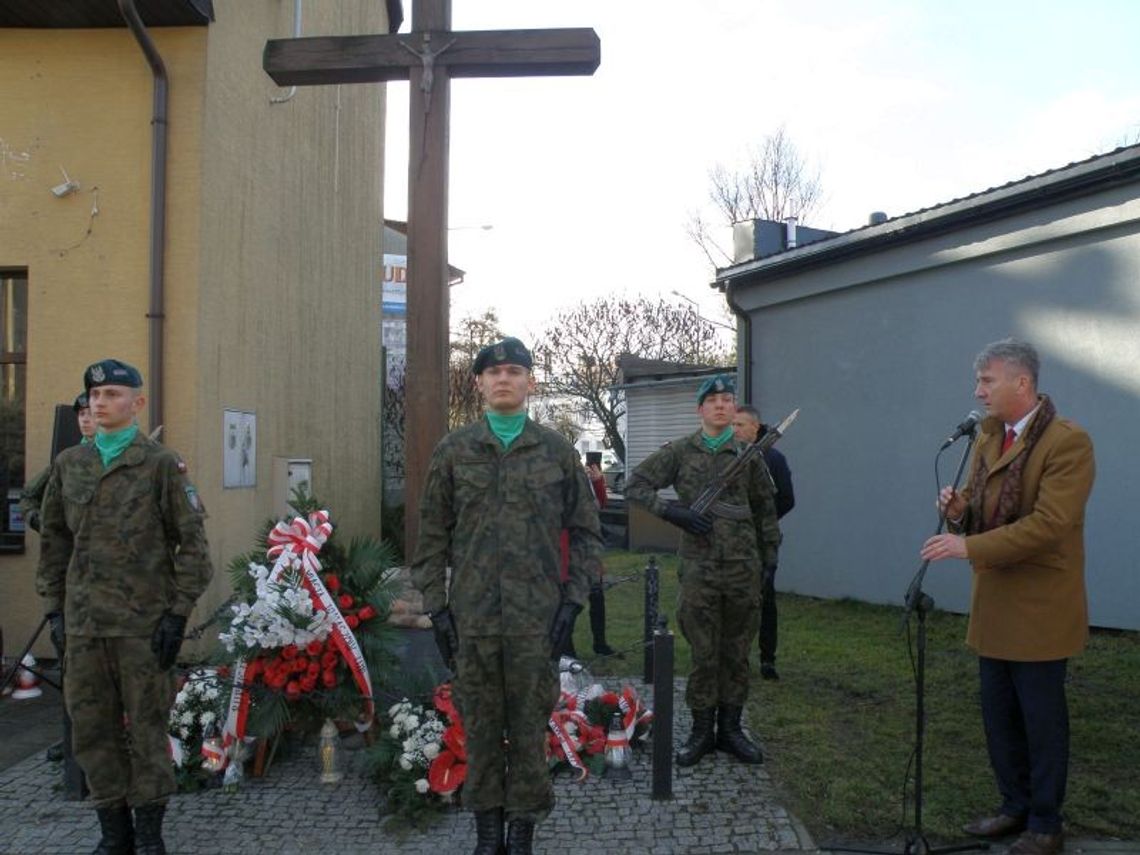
[(294, 546)]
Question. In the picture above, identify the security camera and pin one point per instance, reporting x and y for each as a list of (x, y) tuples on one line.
[(68, 186), (64, 189)]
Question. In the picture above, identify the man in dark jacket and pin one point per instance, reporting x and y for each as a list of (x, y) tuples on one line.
[(748, 428)]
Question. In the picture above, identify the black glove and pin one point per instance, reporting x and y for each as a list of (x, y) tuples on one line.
[(446, 635), (167, 639), (58, 637), (32, 520), (562, 627), (688, 519)]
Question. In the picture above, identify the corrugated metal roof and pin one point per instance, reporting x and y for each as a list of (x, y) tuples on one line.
[(1077, 178), (91, 14)]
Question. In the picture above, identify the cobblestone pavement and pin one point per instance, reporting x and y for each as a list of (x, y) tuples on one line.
[(719, 806)]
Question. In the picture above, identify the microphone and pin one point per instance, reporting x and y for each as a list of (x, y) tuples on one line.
[(967, 426)]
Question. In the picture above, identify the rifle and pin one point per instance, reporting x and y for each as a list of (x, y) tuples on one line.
[(711, 493)]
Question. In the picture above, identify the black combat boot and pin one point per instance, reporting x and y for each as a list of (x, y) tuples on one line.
[(598, 621), (520, 837), (118, 837), (702, 740), (489, 832), (148, 830), (731, 737)]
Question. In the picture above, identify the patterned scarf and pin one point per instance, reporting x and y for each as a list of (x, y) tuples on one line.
[(1009, 496)]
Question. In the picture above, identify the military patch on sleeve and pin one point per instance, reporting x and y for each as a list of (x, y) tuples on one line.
[(192, 498)]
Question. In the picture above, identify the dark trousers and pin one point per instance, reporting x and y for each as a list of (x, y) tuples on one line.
[(1026, 718), (768, 621)]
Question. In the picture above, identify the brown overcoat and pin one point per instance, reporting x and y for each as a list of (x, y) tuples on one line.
[(1028, 601)]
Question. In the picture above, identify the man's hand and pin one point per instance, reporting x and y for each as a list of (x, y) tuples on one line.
[(562, 627), (167, 639), (446, 635), (58, 636), (951, 504), (944, 546), (688, 519)]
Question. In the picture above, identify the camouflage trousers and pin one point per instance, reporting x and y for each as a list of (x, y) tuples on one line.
[(506, 689), (719, 612), (119, 703)]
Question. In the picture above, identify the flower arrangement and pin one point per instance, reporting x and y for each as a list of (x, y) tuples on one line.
[(198, 709), (308, 635), (578, 725), (420, 759)]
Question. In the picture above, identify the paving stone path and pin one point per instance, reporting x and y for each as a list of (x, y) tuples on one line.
[(718, 806)]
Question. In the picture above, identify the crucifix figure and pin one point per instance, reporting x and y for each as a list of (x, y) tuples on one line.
[(329, 60)]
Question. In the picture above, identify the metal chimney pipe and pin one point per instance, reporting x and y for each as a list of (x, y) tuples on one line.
[(790, 232)]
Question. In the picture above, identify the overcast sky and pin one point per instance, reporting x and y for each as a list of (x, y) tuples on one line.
[(588, 182)]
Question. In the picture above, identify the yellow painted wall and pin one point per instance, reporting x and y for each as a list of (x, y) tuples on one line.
[(272, 259), (290, 284), (82, 99)]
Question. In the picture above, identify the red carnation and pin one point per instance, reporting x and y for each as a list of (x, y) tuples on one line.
[(313, 670), (366, 613), (289, 651), (314, 648), (293, 690), (329, 659), (608, 699), (252, 670), (329, 679), (345, 601), (308, 683), (223, 671), (352, 620), (332, 582)]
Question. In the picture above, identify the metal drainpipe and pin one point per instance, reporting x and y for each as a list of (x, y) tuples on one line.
[(156, 314), (281, 99), (746, 327)]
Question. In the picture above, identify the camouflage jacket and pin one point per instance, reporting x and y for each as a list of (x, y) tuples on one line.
[(121, 545), (32, 496), (494, 516), (688, 466)]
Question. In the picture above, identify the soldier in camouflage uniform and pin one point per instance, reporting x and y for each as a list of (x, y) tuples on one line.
[(32, 495), (498, 494), (722, 556), (123, 560)]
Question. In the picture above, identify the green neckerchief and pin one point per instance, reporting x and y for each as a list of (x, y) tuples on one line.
[(111, 445), (506, 428), (85, 440), (714, 443)]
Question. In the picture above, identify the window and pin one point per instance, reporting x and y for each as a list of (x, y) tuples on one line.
[(13, 394)]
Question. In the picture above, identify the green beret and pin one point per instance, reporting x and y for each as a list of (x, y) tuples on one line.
[(80, 402), (716, 383), (111, 372), (509, 351)]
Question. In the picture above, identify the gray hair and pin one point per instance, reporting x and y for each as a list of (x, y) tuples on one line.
[(749, 410), (1012, 351)]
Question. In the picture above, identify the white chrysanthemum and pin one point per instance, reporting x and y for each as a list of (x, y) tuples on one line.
[(409, 745), (413, 722), (207, 718), (431, 750), (405, 763), (422, 786), (394, 731)]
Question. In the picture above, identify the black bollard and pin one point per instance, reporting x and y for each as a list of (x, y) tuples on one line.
[(663, 712), (652, 590)]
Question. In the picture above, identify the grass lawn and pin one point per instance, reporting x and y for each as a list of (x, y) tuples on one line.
[(838, 727)]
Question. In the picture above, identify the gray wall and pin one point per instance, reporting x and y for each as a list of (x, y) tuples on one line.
[(878, 354)]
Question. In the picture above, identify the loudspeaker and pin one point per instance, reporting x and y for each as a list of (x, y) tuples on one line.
[(65, 429)]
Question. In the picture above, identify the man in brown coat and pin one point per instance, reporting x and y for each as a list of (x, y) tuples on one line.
[(1020, 522)]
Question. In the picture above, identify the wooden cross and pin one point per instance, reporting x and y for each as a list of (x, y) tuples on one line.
[(428, 58)]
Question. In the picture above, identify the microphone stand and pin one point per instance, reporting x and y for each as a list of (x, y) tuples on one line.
[(919, 602)]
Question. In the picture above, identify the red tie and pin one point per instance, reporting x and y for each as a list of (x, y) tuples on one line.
[(1010, 436)]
